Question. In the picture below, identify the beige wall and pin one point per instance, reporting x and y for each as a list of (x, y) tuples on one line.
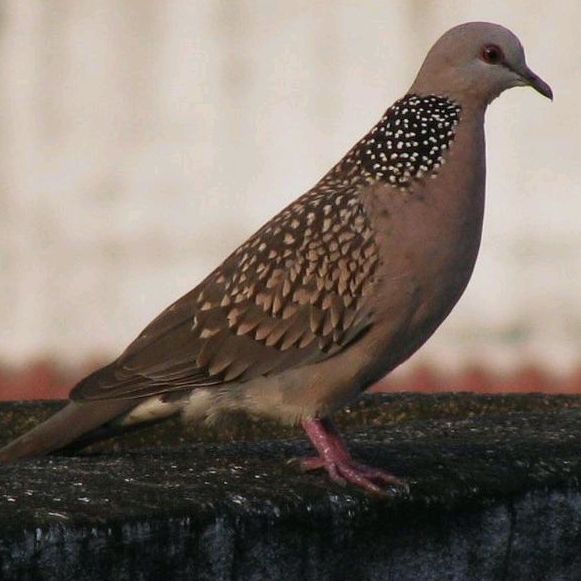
[(140, 142)]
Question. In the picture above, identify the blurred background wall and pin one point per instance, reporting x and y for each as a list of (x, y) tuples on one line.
[(141, 142)]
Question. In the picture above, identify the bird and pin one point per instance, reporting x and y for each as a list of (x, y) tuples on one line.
[(336, 290)]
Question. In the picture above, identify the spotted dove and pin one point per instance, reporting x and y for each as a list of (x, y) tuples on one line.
[(336, 290)]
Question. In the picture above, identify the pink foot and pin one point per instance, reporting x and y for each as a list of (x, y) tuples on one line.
[(336, 460)]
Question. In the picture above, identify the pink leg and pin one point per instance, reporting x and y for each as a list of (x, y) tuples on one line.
[(335, 458)]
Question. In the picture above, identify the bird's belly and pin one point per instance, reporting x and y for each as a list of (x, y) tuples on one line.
[(426, 263)]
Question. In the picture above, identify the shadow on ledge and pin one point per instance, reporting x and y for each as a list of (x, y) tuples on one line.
[(494, 494)]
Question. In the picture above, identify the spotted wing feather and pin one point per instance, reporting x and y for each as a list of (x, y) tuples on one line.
[(294, 293)]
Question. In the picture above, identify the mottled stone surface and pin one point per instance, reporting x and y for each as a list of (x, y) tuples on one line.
[(494, 494)]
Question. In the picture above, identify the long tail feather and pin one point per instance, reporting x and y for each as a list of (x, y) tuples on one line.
[(65, 427)]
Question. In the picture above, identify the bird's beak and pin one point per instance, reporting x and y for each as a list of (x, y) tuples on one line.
[(532, 80)]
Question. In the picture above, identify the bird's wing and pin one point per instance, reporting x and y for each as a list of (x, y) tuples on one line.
[(293, 294)]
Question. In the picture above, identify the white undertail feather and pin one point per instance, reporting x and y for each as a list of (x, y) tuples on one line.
[(151, 410)]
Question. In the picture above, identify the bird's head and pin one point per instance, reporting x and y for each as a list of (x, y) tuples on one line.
[(475, 62)]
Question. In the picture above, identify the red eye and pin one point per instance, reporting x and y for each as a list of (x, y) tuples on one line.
[(492, 54)]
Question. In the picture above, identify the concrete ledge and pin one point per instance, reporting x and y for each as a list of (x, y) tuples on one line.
[(494, 493)]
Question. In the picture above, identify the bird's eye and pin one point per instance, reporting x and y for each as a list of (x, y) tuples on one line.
[(492, 54)]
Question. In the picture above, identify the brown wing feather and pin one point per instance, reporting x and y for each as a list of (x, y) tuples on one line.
[(293, 294)]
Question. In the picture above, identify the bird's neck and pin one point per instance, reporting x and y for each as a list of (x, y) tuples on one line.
[(409, 143)]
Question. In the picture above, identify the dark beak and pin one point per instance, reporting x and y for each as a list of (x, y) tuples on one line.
[(537, 83)]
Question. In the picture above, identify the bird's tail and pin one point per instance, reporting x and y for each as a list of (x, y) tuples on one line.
[(73, 422)]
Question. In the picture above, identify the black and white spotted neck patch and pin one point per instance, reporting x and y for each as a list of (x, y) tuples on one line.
[(409, 141)]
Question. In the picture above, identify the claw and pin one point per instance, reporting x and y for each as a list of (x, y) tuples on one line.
[(336, 460)]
